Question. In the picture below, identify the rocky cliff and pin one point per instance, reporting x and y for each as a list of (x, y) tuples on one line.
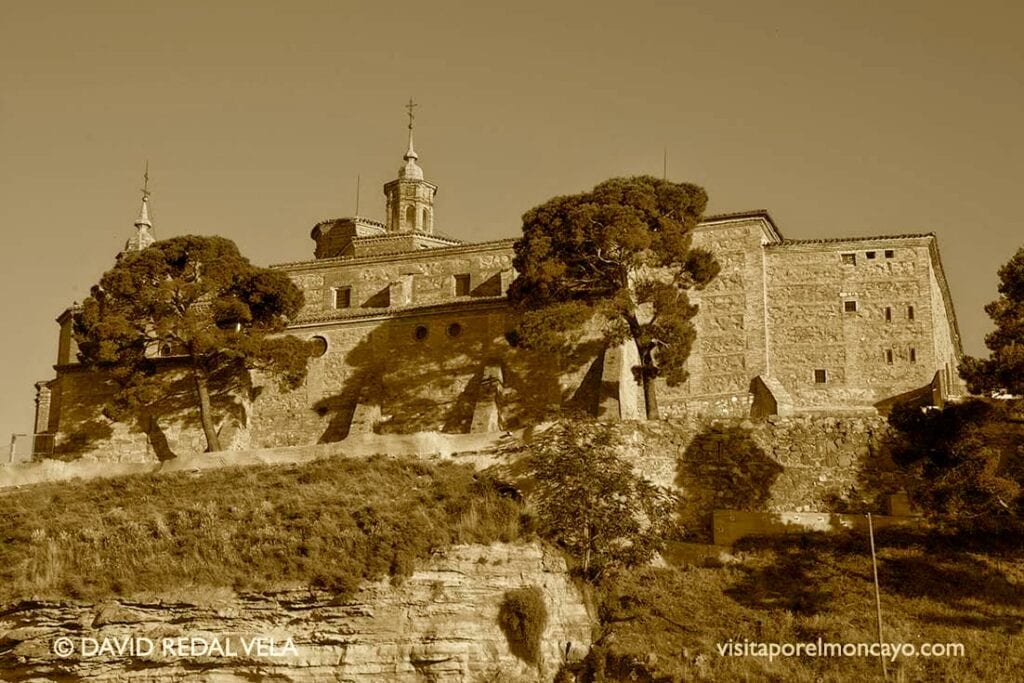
[(440, 624)]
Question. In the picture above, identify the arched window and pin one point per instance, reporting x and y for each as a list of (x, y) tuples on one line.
[(410, 216), (426, 219)]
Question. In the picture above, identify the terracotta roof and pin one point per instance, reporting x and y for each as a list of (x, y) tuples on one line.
[(345, 314), (412, 253), (873, 238)]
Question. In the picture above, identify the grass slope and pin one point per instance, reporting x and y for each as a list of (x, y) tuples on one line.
[(329, 523), (663, 624)]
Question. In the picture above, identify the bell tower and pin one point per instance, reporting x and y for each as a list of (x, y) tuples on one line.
[(410, 198)]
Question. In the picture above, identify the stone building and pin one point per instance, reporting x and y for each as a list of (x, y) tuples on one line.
[(410, 328)]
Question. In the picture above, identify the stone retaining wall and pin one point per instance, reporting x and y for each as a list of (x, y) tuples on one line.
[(797, 464)]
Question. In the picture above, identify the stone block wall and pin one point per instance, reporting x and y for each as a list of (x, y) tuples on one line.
[(731, 337), (868, 320), (432, 278), (170, 427), (797, 464)]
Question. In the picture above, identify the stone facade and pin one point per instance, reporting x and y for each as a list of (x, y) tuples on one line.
[(411, 325)]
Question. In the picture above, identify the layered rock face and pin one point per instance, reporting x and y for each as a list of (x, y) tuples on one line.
[(440, 624)]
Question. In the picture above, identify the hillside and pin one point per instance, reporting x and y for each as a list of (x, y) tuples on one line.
[(329, 523), (388, 569), (666, 624)]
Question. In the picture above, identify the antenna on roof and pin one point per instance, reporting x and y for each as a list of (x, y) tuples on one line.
[(357, 196), (664, 164)]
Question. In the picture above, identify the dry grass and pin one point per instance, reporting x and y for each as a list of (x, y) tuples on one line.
[(663, 624), (330, 524)]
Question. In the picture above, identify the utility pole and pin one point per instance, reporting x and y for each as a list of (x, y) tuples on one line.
[(878, 597)]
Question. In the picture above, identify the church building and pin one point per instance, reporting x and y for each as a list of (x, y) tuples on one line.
[(410, 325)]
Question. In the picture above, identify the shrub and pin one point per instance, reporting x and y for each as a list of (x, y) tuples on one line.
[(523, 617)]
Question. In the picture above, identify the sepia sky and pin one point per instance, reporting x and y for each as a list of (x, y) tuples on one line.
[(840, 118)]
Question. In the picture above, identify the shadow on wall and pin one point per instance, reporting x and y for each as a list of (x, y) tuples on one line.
[(430, 374), (876, 479), (170, 425), (722, 468)]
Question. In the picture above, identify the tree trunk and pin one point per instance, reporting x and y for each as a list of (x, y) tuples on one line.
[(586, 551), (205, 411), (647, 375)]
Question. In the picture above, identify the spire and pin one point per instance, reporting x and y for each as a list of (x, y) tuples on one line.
[(411, 153), (411, 170), (143, 219), (143, 237)]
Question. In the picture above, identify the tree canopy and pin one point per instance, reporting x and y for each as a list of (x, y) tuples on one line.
[(619, 255), (1004, 368), (199, 301), (967, 462), (590, 501)]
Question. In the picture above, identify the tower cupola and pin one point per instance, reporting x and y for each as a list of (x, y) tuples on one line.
[(410, 198)]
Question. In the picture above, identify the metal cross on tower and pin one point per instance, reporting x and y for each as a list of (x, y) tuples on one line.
[(145, 184), (412, 105)]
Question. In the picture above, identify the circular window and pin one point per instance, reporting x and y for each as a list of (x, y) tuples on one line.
[(317, 347), (454, 330), (420, 333)]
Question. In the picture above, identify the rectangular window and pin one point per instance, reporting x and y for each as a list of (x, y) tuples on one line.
[(889, 253), (910, 312), (462, 285), (850, 306), (849, 259), (869, 254), (888, 356), (888, 314), (820, 377), (342, 297), (913, 355)]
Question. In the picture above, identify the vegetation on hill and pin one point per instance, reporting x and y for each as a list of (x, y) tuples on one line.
[(665, 624), (523, 616), (330, 523), (619, 257), (590, 503), (1004, 368), (966, 462)]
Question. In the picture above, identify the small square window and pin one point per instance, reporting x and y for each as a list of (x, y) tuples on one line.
[(342, 297), (849, 259), (888, 314), (910, 312), (888, 356), (850, 306), (820, 377), (462, 285), (913, 355), (889, 253), (869, 254)]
